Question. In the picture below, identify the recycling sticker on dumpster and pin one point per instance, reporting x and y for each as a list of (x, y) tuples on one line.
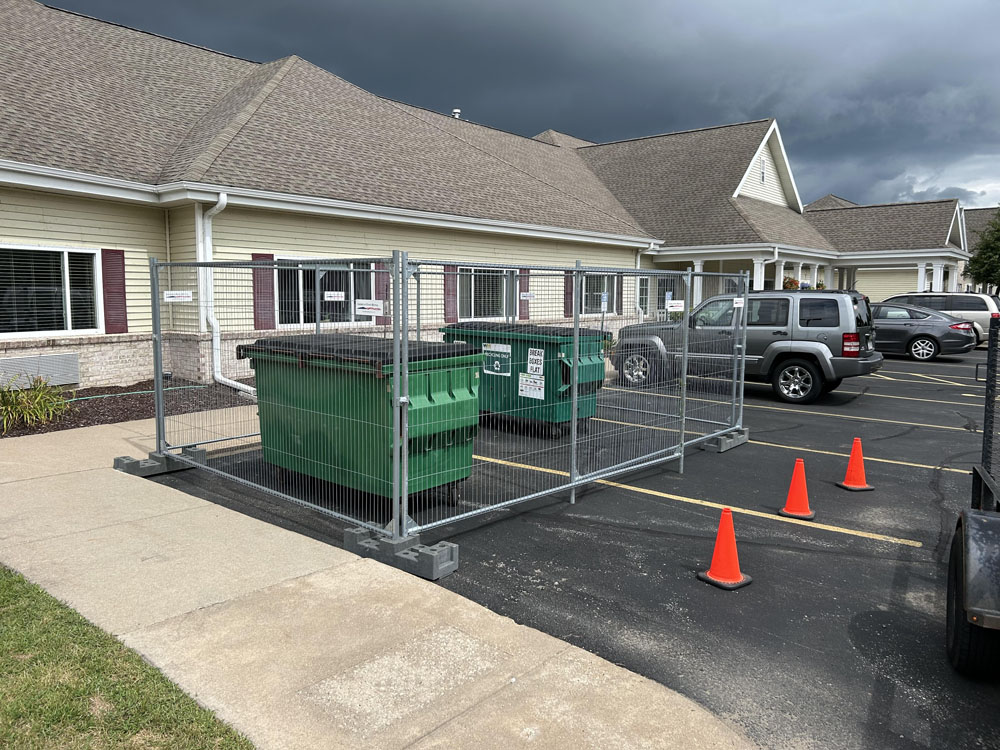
[(496, 359), (531, 386), (536, 361)]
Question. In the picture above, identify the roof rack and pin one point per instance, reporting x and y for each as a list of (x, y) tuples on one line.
[(800, 291)]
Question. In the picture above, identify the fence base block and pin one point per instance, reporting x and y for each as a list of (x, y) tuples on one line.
[(430, 562), (725, 443), (159, 463)]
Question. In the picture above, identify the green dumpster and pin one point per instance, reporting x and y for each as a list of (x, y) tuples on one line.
[(325, 406), (527, 369)]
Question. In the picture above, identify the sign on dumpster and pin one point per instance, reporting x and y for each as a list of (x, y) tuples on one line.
[(531, 386), (496, 359), (536, 361)]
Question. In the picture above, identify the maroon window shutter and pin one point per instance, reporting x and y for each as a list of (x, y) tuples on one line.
[(451, 294), (263, 294), (568, 295), (113, 284), (383, 281), (619, 294), (522, 287)]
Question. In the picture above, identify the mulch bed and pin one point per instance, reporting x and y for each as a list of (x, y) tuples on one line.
[(123, 404)]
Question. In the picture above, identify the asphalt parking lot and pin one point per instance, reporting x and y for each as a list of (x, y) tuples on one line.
[(838, 642)]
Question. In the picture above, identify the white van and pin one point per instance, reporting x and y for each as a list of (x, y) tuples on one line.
[(970, 306)]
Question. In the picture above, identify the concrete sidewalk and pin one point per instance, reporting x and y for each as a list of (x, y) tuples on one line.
[(299, 644)]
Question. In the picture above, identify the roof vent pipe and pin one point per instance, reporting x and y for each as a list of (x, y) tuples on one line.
[(456, 113)]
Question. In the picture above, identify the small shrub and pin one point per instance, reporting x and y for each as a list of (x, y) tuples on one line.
[(39, 403)]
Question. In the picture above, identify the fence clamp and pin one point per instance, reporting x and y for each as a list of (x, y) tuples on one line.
[(402, 400)]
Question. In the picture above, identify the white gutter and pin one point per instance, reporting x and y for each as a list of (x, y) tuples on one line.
[(52, 179), (209, 291)]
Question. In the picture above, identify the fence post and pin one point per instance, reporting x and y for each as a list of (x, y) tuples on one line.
[(403, 374), (743, 346), (154, 290), (991, 394), (685, 340), (397, 524), (317, 275), (574, 379), (740, 323)]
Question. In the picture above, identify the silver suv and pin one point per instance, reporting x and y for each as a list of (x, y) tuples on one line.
[(803, 342), (971, 306)]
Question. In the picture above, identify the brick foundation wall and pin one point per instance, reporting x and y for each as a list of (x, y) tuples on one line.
[(121, 359)]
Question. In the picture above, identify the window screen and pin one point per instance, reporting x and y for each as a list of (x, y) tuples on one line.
[(819, 313)]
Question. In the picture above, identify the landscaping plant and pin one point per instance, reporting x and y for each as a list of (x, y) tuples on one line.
[(39, 403)]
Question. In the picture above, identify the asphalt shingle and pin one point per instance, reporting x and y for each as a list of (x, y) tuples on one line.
[(891, 226)]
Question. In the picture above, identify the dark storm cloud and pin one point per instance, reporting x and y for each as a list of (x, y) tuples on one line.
[(876, 101)]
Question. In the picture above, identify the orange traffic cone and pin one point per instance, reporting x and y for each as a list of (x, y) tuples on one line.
[(797, 503), (854, 479), (725, 569)]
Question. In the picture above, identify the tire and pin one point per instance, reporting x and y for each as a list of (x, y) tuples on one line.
[(797, 381), (923, 349), (639, 368), (832, 385), (973, 651)]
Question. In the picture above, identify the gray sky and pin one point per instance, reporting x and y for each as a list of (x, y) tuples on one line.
[(877, 101)]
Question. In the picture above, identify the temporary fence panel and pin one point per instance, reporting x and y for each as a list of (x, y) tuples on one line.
[(403, 395)]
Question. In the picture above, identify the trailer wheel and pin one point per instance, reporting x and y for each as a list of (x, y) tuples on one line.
[(973, 651)]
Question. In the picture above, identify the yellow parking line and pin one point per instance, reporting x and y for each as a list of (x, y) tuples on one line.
[(867, 458), (718, 506), (882, 377), (819, 413), (939, 380)]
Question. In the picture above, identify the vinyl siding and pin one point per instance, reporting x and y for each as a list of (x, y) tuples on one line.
[(35, 218), (771, 189), (878, 285), (238, 233)]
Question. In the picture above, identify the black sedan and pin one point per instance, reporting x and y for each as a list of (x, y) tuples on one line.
[(920, 332)]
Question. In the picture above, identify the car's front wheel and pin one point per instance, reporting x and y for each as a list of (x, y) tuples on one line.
[(797, 381), (923, 349), (638, 368)]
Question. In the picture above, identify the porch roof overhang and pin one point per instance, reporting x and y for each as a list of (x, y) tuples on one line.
[(770, 251)]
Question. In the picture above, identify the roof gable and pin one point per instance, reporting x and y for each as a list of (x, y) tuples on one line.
[(556, 138), (768, 176), (829, 201)]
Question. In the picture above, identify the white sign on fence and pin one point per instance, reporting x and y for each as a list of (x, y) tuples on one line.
[(737, 302), (369, 307), (604, 301), (531, 386), (527, 295), (675, 305), (178, 296), (333, 296), (536, 361)]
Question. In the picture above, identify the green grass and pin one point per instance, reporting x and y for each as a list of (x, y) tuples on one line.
[(64, 683)]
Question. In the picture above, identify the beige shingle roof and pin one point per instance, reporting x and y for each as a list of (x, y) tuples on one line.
[(976, 220), (829, 201), (891, 226)]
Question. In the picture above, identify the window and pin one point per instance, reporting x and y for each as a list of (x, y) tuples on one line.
[(47, 291), (768, 312), (819, 313), (482, 293), (338, 289), (891, 313), (763, 169), (668, 288), (594, 287), (967, 303), (914, 315), (935, 302), (642, 295), (716, 313)]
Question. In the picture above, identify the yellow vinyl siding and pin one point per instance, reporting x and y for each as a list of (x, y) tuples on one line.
[(878, 285), (33, 218), (771, 189)]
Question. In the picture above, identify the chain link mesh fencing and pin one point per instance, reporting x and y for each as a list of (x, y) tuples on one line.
[(404, 395)]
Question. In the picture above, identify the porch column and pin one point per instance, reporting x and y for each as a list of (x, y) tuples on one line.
[(758, 275), (699, 267), (828, 276), (779, 274), (815, 275), (954, 278), (921, 277), (852, 278), (937, 281), (797, 273)]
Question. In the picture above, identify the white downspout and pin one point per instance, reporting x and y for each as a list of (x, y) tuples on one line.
[(213, 323)]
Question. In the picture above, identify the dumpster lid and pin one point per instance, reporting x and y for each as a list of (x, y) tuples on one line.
[(524, 329), (348, 347)]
